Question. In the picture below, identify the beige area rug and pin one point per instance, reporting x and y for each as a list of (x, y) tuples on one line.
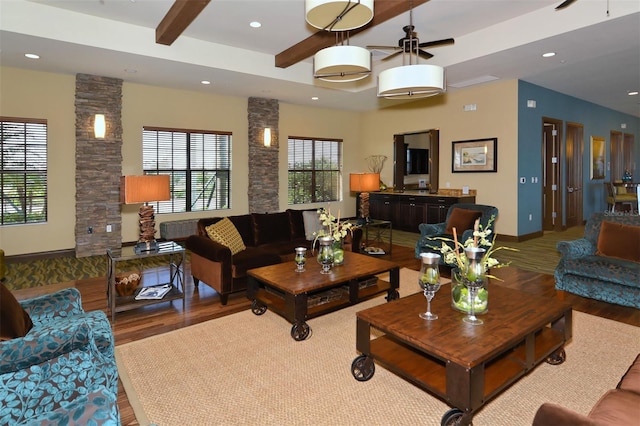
[(246, 369)]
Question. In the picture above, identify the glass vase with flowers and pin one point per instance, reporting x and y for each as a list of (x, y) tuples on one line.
[(471, 261), (336, 229)]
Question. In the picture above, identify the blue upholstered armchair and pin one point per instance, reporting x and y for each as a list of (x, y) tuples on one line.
[(429, 231), (63, 370)]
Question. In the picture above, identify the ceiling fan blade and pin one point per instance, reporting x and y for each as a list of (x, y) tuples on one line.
[(564, 4), (424, 55), (383, 11), (177, 19), (443, 42), (383, 47), (393, 55)]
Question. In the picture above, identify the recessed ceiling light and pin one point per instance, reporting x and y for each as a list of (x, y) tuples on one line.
[(632, 93), (548, 54), (130, 71), (255, 24), (314, 98), (32, 56), (205, 82)]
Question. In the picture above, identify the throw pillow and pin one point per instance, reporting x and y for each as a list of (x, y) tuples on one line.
[(14, 320), (461, 219), (619, 240), (311, 223), (225, 233)]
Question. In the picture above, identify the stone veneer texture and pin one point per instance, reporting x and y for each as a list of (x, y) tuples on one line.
[(98, 165), (263, 160)]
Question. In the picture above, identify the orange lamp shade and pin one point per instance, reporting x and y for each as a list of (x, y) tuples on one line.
[(144, 189), (364, 182)]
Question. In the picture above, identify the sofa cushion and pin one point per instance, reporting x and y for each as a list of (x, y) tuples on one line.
[(461, 219), (312, 224), (619, 240), (271, 227), (251, 258), (225, 233), (609, 270), (617, 407), (14, 320), (296, 223), (631, 379)]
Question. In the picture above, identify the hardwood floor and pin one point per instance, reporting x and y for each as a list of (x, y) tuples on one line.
[(203, 304)]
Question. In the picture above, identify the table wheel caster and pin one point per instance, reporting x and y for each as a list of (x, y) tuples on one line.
[(452, 417), (300, 331), (257, 308), (363, 368), (557, 357)]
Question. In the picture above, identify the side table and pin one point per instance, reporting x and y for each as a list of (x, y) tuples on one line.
[(380, 229), (174, 253)]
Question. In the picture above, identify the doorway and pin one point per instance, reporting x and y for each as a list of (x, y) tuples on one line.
[(574, 148), (551, 165)]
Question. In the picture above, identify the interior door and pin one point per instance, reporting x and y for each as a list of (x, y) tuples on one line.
[(574, 178), (551, 196)]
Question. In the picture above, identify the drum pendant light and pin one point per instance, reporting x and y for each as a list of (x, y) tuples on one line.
[(338, 15)]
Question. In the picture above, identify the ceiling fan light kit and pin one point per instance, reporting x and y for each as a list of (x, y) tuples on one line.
[(411, 81), (342, 64), (338, 15)]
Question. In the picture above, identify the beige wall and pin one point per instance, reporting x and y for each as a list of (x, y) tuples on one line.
[(30, 94), (51, 96), (496, 116)]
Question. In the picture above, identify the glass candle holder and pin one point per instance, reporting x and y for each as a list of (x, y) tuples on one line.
[(300, 258)]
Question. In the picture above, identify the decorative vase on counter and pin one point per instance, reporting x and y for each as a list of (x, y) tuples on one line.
[(475, 270), (325, 255)]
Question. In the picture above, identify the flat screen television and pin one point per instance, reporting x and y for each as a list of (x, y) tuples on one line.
[(417, 161)]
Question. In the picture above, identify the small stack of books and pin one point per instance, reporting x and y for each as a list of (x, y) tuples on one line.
[(156, 292)]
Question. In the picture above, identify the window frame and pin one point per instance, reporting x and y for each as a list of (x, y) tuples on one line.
[(318, 175), (188, 172), (34, 176)]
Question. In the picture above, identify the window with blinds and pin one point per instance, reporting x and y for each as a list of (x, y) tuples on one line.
[(199, 163), (23, 170), (314, 170)]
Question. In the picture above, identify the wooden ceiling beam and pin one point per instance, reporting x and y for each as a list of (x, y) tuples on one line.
[(177, 19), (383, 10)]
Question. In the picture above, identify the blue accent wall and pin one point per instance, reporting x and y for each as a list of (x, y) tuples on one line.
[(597, 121)]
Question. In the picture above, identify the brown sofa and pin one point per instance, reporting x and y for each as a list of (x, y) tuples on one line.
[(619, 406), (269, 238)]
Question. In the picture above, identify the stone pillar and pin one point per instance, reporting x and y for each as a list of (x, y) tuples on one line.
[(263, 160), (98, 165)]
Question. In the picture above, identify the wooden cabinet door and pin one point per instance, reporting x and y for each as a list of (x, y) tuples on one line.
[(381, 207)]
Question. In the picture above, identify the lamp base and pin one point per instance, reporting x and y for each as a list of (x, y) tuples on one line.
[(145, 246)]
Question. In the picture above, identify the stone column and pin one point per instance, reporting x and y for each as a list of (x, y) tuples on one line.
[(98, 165), (263, 160)]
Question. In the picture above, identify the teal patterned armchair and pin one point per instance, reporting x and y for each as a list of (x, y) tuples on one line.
[(430, 232), (63, 370)]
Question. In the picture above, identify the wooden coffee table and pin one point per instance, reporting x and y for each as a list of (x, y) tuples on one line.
[(298, 296), (463, 364)]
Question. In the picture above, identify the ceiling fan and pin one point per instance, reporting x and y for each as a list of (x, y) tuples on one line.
[(411, 44), (564, 4)]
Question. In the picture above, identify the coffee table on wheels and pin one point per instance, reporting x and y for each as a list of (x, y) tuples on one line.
[(462, 364), (298, 296)]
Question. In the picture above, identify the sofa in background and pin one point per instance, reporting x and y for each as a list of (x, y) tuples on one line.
[(605, 263), (57, 362), (617, 407), (462, 216), (266, 239)]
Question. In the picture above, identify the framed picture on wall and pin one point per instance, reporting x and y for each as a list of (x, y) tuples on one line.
[(476, 155), (597, 157)]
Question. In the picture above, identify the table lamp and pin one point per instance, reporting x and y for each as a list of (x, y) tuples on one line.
[(364, 183), (145, 189)]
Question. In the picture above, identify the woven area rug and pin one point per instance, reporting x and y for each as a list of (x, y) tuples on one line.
[(246, 369)]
